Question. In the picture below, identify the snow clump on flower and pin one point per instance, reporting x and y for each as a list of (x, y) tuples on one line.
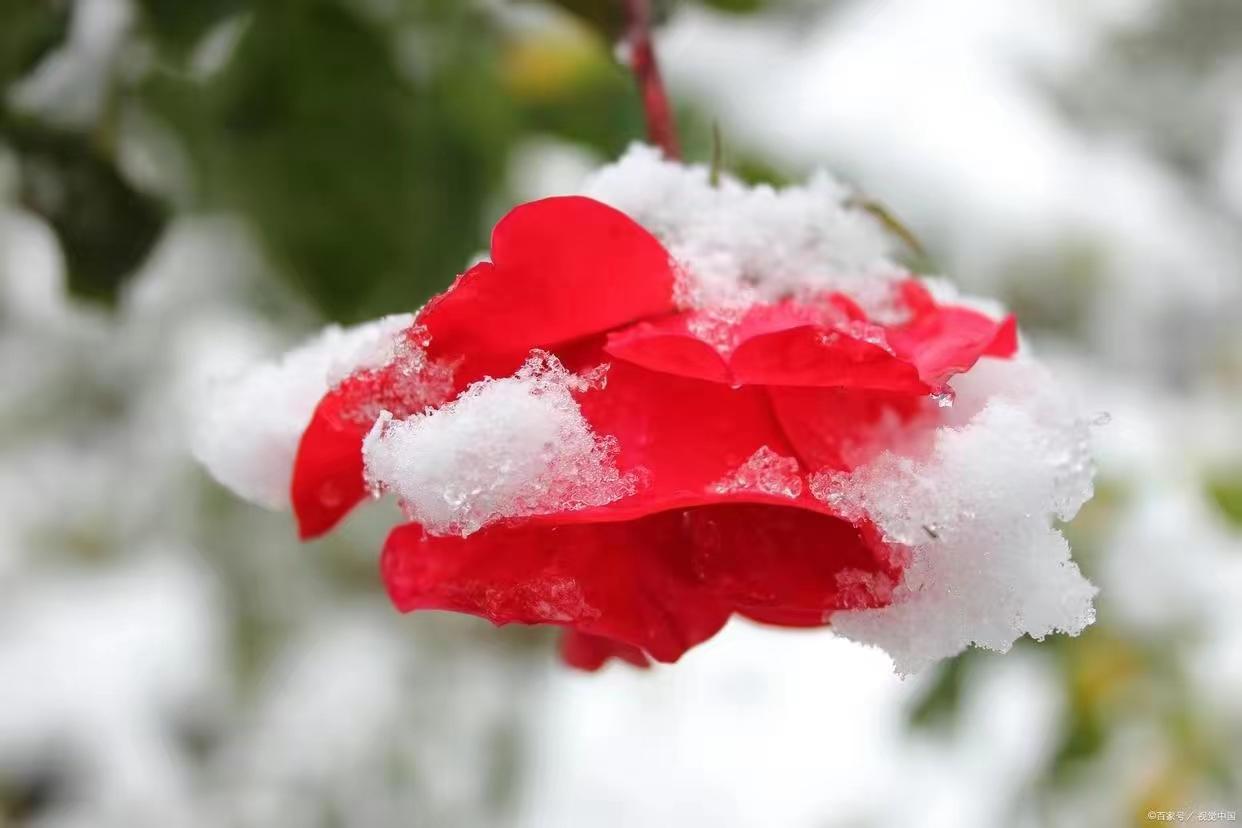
[(738, 243), (505, 448), (247, 428), (988, 565)]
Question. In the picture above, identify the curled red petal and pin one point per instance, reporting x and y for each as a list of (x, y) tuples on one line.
[(1005, 343), (562, 268), (591, 652), (679, 434), (792, 563), (327, 471), (824, 309), (950, 341), (840, 428), (700, 343), (624, 581), (943, 340), (814, 356), (915, 296), (668, 345), (660, 583)]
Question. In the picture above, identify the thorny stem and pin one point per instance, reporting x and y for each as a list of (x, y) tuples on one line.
[(661, 130)]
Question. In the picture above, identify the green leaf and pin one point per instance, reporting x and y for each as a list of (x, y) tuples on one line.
[(1082, 738), (939, 705), (178, 26), (734, 6), (366, 185), (610, 19), (27, 30), (105, 226), (889, 221), (1225, 490), (605, 16)]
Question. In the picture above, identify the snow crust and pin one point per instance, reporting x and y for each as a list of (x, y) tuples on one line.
[(736, 243), (507, 447), (247, 426), (978, 513)]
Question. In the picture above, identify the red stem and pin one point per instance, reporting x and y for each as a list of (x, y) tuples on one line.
[(661, 129)]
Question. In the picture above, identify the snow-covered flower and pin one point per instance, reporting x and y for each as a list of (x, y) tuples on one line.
[(722, 401)]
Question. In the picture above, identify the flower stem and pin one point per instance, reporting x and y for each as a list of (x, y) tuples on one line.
[(661, 129)]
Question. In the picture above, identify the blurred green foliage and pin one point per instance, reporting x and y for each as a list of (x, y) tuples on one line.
[(366, 184), (29, 30), (1225, 491), (608, 16), (106, 226), (363, 142), (68, 177)]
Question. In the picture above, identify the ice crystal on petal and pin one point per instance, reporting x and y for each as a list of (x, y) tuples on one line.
[(411, 382), (718, 327), (864, 588), (766, 472), (865, 332), (977, 513), (246, 428), (505, 448)]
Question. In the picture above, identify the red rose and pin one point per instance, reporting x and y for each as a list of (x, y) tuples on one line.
[(720, 414)]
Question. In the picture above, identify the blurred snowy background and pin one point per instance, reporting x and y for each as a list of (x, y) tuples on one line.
[(185, 187)]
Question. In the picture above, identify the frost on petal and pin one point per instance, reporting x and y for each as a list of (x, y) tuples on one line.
[(328, 478), (505, 448), (977, 513), (247, 427), (765, 471), (737, 243)]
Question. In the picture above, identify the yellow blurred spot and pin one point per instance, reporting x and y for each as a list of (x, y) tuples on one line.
[(1103, 667), (550, 65), (1167, 793)]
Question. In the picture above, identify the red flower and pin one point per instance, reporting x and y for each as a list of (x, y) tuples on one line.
[(723, 412)]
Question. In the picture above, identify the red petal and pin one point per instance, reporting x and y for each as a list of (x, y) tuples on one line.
[(787, 562), (813, 356), (916, 297), (590, 652), (623, 581), (839, 428), (945, 340), (866, 587), (562, 268), (1005, 343), (824, 309), (661, 583), (667, 345), (691, 344), (327, 472), (683, 434)]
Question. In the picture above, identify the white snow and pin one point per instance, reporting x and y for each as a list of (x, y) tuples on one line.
[(248, 425), (736, 243), (89, 657), (505, 448), (988, 564)]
